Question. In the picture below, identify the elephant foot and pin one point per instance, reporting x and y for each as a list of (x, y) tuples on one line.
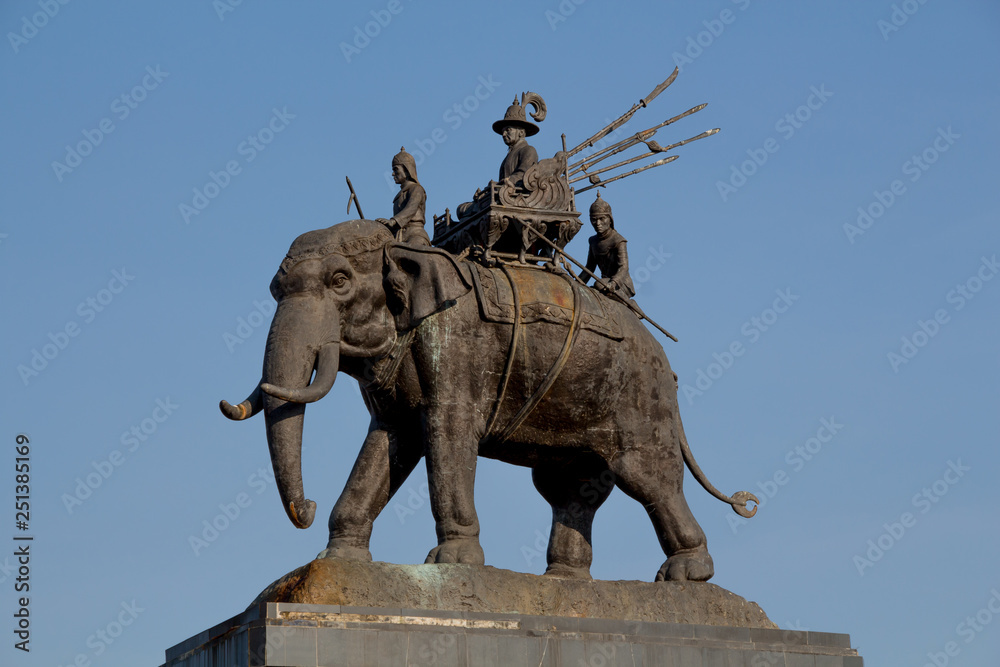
[(687, 565), (458, 550), (335, 549), (561, 571)]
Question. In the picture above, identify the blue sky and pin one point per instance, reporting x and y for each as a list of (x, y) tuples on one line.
[(852, 185)]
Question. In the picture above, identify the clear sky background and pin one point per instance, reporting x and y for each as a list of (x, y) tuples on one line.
[(870, 531)]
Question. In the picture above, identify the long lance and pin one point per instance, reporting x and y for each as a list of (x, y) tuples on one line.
[(624, 144), (354, 198), (614, 125), (654, 149), (593, 174), (631, 141), (632, 305), (666, 160)]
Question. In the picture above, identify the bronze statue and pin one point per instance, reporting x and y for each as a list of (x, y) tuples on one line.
[(607, 250), (514, 127), (533, 197), (408, 205), (521, 156), (460, 355), (587, 400)]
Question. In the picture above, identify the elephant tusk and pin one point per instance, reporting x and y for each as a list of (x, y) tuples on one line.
[(327, 363), (248, 408)]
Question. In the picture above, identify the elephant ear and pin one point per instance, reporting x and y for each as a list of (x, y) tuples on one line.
[(421, 281)]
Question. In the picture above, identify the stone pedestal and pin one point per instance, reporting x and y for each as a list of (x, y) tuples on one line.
[(465, 615)]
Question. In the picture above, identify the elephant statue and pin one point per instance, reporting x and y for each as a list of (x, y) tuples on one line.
[(457, 360)]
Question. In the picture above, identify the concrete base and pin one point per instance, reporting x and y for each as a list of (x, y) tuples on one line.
[(307, 635)]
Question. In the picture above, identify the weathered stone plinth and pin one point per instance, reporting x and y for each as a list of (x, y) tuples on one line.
[(472, 588), (334, 612)]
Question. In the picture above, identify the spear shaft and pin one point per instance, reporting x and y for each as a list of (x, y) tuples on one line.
[(593, 174), (629, 142), (656, 148), (614, 125), (666, 160)]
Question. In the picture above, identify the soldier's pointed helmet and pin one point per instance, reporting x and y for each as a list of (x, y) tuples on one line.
[(515, 116), (601, 207), (406, 161)]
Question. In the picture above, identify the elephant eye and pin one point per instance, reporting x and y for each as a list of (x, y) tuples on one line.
[(339, 282)]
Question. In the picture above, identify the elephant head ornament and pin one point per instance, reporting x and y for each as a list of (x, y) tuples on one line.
[(446, 379)]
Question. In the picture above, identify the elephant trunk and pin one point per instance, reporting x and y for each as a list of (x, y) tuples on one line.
[(327, 364), (289, 359)]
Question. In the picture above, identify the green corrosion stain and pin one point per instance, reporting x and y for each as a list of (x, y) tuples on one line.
[(426, 577), (438, 333)]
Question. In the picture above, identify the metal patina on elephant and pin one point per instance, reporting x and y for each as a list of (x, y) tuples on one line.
[(544, 374)]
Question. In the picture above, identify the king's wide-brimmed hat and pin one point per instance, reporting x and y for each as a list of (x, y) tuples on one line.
[(515, 116)]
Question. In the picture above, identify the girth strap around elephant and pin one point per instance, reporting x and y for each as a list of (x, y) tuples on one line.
[(517, 319)]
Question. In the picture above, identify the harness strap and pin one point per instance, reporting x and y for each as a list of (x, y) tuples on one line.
[(511, 351), (386, 368), (560, 363)]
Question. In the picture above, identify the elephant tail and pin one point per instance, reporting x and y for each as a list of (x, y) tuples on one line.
[(738, 500)]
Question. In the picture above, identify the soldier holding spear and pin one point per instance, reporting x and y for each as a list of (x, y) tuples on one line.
[(607, 250)]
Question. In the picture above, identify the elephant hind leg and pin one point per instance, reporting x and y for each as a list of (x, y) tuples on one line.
[(575, 494), (682, 539)]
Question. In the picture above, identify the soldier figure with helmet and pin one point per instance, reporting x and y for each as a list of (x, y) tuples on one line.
[(408, 216), (607, 250)]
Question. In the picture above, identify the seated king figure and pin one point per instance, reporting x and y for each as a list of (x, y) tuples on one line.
[(521, 155)]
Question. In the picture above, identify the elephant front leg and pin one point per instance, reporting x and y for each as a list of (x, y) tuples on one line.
[(382, 466), (451, 474)]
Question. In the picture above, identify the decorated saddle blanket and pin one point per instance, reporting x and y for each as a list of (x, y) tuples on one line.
[(544, 297)]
